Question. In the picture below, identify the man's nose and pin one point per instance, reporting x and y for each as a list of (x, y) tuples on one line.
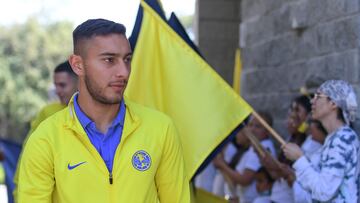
[(58, 90), (122, 70)]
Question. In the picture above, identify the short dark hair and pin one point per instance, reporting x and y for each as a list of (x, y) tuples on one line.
[(266, 116), (65, 67), (95, 27), (340, 115), (266, 173), (304, 101), (319, 126)]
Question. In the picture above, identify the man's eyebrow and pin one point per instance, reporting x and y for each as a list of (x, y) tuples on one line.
[(108, 54), (114, 54), (128, 54)]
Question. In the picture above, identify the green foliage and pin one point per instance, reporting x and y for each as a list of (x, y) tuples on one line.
[(28, 54)]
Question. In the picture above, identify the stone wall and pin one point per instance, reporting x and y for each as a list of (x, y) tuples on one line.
[(290, 43), (285, 44)]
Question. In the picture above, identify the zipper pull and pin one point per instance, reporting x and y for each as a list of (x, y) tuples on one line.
[(110, 178)]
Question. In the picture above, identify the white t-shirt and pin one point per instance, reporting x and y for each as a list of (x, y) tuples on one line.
[(312, 150), (281, 192), (310, 146), (250, 160), (205, 179), (262, 199), (218, 187)]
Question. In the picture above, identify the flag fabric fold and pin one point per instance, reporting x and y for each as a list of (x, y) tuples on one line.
[(175, 24), (168, 75), (237, 72)]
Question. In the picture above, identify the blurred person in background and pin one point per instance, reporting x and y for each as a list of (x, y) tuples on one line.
[(334, 105), (243, 175), (66, 84)]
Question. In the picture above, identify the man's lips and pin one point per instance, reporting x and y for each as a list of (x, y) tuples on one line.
[(118, 85)]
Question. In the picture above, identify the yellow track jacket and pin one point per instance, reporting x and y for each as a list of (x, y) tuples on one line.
[(59, 163), (44, 113)]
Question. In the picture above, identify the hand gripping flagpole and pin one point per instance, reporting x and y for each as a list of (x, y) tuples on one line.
[(259, 148)]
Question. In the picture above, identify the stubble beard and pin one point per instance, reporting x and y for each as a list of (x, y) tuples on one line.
[(95, 93)]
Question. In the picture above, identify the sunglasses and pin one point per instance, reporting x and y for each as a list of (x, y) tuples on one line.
[(319, 95)]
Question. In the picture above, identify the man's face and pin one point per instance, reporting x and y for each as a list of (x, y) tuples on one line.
[(241, 139), (107, 67), (300, 111), (262, 183), (65, 85), (258, 129), (321, 106)]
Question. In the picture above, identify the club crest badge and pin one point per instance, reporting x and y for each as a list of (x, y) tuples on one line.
[(141, 160)]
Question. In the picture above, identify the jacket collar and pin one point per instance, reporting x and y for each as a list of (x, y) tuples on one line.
[(132, 120)]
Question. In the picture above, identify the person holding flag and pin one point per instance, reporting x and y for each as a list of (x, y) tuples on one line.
[(334, 105)]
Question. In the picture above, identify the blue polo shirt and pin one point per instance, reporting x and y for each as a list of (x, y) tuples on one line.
[(105, 144)]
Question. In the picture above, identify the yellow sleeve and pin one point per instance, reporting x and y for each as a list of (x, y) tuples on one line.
[(35, 123), (36, 171), (171, 180), (44, 113)]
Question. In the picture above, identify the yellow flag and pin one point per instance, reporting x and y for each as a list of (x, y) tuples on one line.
[(237, 72), (169, 76), (202, 196)]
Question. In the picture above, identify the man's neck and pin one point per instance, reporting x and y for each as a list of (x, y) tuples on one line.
[(101, 114), (331, 124)]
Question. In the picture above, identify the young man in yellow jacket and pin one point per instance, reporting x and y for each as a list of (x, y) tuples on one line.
[(102, 147), (66, 84)]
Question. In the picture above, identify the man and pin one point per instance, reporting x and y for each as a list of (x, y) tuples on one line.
[(65, 81), (102, 147), (334, 105)]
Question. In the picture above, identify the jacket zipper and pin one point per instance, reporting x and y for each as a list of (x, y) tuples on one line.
[(110, 178)]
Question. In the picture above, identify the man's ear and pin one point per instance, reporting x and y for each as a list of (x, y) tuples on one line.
[(76, 63), (333, 105)]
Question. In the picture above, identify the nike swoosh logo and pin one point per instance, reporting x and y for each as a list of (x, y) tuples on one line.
[(76, 165)]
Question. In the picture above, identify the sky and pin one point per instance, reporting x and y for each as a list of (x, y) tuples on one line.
[(77, 11)]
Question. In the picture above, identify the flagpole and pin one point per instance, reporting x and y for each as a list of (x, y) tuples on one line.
[(259, 147), (270, 129), (254, 141)]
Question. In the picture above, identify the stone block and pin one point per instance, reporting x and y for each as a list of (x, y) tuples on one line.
[(338, 35), (266, 27), (276, 52), (257, 31), (307, 13), (344, 65), (267, 80), (306, 44), (281, 20), (253, 8), (247, 59), (277, 103)]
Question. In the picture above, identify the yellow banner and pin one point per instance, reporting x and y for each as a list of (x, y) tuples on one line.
[(169, 76)]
